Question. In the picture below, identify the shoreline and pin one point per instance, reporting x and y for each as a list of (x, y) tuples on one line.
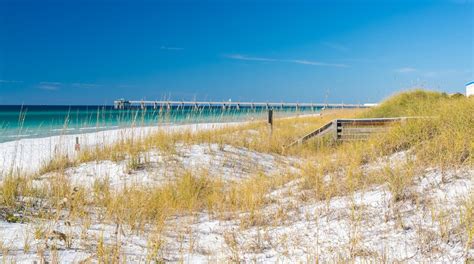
[(10, 132), (27, 155)]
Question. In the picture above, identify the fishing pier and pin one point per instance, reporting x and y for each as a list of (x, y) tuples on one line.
[(125, 104)]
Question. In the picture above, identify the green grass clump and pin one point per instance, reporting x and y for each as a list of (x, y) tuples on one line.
[(411, 103), (443, 138)]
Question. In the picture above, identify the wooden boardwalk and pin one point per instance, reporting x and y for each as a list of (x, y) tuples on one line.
[(351, 129)]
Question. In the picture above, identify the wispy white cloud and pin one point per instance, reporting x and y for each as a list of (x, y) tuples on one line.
[(318, 63), (305, 62), (126, 86), (170, 48), (10, 81), (49, 86), (51, 83), (248, 58), (405, 70), (335, 46), (86, 85), (54, 86)]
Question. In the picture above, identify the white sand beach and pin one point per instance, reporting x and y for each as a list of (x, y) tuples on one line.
[(27, 155), (422, 222), (253, 132)]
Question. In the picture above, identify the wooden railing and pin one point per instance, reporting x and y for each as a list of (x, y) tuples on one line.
[(352, 129), (361, 129)]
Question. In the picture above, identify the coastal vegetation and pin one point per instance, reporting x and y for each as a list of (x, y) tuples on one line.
[(440, 139)]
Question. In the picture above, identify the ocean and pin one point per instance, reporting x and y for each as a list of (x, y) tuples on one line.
[(31, 121)]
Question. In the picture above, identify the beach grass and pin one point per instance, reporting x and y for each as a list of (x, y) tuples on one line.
[(442, 139)]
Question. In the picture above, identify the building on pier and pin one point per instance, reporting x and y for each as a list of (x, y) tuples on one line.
[(470, 89)]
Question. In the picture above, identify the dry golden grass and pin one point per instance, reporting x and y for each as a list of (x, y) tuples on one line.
[(444, 140), (328, 169)]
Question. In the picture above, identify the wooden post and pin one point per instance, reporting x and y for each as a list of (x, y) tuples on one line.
[(77, 147), (335, 128), (403, 120), (270, 119)]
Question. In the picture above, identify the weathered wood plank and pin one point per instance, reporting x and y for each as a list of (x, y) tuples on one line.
[(353, 129), (318, 132), (356, 130)]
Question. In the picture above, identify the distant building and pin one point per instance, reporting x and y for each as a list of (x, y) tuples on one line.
[(370, 104), (470, 89)]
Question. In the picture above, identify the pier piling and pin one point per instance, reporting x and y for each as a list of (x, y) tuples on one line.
[(126, 104)]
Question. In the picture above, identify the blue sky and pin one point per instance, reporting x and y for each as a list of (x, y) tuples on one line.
[(92, 52)]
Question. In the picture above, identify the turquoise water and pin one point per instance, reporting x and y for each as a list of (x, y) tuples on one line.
[(42, 121)]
